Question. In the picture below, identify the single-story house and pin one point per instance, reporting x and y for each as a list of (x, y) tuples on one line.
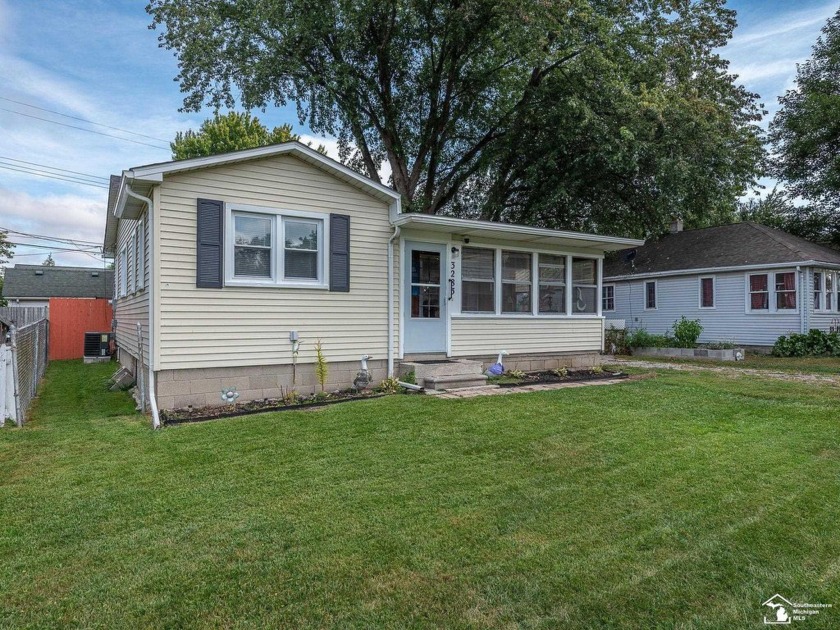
[(235, 265), (34, 285), (747, 283)]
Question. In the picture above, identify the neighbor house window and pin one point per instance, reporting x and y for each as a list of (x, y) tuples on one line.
[(829, 290), (552, 271), (608, 297), (759, 292), (478, 280), (298, 259), (516, 282), (584, 285), (786, 291), (818, 289), (825, 284), (122, 271), (650, 295), (707, 292)]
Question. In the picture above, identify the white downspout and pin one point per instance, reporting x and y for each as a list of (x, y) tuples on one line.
[(151, 289), (391, 240)]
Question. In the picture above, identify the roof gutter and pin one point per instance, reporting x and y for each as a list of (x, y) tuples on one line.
[(706, 270), (151, 240)]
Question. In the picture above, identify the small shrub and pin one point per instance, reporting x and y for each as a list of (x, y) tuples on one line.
[(641, 338), (687, 332), (389, 386), (561, 372), (597, 369), (720, 345), (517, 374), (815, 343), (410, 378), (321, 367), (615, 341)]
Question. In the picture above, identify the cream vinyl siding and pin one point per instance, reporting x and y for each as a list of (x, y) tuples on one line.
[(241, 326), (134, 307), (519, 335)]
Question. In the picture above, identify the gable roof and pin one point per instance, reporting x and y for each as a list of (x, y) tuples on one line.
[(37, 281), (745, 244)]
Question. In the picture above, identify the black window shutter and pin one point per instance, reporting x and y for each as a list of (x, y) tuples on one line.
[(339, 252), (210, 244)]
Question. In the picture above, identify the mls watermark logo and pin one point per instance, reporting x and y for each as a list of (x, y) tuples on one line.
[(783, 611), (781, 608)]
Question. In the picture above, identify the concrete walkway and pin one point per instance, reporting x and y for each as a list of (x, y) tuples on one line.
[(472, 392), (729, 371)]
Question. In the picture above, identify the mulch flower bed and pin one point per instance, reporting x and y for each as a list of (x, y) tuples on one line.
[(301, 402), (538, 378)]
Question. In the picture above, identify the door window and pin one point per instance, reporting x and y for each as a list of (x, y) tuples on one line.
[(425, 284)]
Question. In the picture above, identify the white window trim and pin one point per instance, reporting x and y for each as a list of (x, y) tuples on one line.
[(700, 293), (502, 282), (608, 310), (459, 314), (771, 293), (122, 271), (140, 254), (597, 286), (835, 291), (655, 284), (277, 248), (460, 281)]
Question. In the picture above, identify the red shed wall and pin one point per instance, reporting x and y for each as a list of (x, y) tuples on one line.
[(70, 319)]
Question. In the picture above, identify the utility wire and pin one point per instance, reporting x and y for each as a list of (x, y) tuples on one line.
[(29, 171), (90, 122), (98, 133), (55, 248), (54, 168), (44, 237)]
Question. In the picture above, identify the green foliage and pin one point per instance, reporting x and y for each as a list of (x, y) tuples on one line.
[(231, 132), (579, 115), (815, 343), (641, 338), (321, 366), (516, 374), (805, 134), (389, 385), (410, 378), (561, 372), (720, 345), (687, 332), (615, 341), (778, 210)]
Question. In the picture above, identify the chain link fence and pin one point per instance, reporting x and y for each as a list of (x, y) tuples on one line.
[(29, 362)]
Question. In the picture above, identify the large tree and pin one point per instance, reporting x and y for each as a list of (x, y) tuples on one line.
[(777, 210), (805, 132), (229, 132), (6, 253), (449, 94)]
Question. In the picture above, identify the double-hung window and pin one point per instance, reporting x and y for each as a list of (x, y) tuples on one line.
[(707, 292), (759, 292), (516, 282), (552, 270), (818, 290), (825, 286), (608, 297), (275, 248), (786, 291), (771, 292), (478, 280), (584, 285)]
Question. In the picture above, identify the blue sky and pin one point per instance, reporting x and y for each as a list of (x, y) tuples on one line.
[(97, 60)]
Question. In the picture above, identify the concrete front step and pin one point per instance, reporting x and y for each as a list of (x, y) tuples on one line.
[(455, 381), (449, 367)]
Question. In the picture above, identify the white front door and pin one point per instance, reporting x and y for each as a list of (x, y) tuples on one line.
[(424, 303)]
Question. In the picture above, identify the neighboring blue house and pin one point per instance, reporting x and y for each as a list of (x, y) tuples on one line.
[(746, 283)]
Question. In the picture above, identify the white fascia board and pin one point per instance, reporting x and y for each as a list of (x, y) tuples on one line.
[(456, 224), (153, 173), (714, 270)]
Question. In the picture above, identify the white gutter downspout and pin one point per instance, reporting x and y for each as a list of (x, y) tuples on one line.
[(151, 289), (391, 240)]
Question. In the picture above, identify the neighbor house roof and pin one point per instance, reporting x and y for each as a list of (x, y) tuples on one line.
[(37, 281), (745, 244)]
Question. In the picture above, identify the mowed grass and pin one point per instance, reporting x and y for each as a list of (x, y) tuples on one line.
[(682, 500)]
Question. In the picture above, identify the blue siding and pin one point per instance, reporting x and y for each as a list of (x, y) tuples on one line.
[(680, 295), (818, 319)]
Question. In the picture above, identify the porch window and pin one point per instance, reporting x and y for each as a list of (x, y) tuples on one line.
[(759, 292), (516, 282), (584, 285), (478, 280), (608, 297), (785, 291), (552, 270)]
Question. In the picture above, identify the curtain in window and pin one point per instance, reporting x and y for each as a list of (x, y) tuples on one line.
[(708, 292), (759, 295), (785, 291)]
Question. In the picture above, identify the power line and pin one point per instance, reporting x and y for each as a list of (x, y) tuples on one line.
[(54, 168), (44, 237), (30, 171), (90, 122), (98, 133), (54, 248)]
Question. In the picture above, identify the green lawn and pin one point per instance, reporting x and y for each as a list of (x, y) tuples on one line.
[(682, 500)]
